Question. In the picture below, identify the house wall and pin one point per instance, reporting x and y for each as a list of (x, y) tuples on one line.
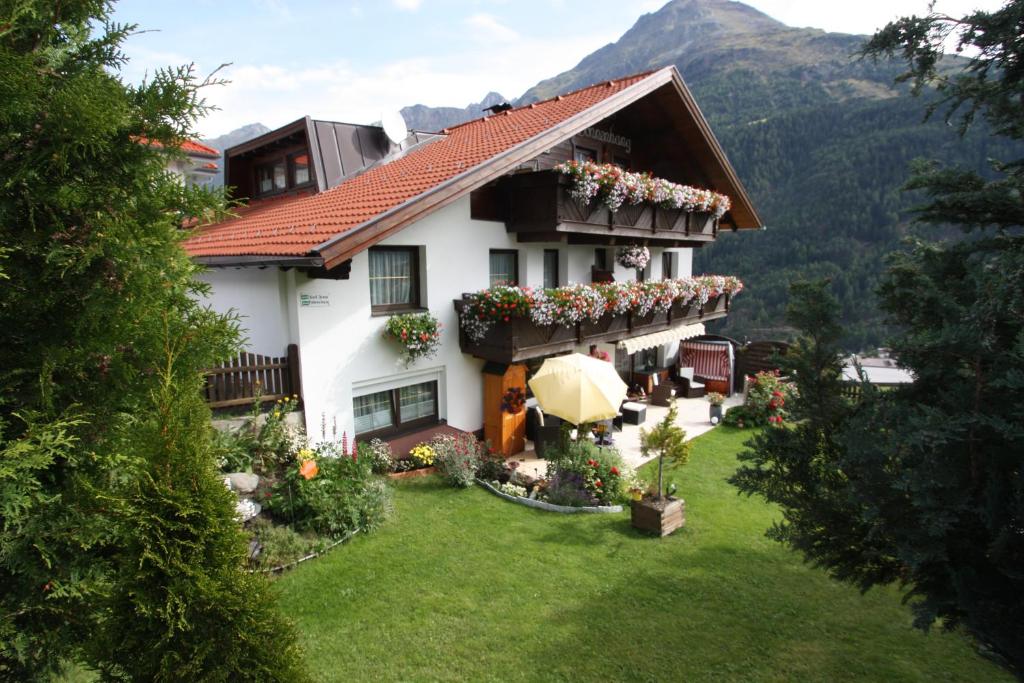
[(260, 298), (343, 353)]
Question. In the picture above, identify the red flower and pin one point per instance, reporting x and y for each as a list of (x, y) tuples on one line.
[(592, 463), (777, 393), (615, 471), (598, 483)]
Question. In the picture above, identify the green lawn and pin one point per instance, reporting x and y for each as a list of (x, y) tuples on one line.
[(460, 585)]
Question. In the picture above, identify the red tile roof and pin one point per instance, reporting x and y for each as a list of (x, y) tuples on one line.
[(212, 166), (294, 227), (193, 147), (188, 146)]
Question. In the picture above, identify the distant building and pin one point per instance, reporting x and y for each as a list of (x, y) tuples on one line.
[(198, 167)]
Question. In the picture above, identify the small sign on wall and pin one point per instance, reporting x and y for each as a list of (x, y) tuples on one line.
[(315, 300)]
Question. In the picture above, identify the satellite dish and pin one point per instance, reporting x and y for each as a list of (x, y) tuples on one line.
[(394, 126)]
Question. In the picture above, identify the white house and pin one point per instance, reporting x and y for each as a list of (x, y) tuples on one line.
[(344, 227)]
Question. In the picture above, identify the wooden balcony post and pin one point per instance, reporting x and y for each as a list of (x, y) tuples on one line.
[(294, 370)]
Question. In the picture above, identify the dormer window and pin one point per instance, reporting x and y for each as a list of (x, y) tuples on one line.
[(272, 177), (284, 173)]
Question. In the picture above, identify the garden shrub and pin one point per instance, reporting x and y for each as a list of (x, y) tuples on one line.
[(493, 467), (457, 458), (379, 454), (601, 475), (767, 394), (568, 488)]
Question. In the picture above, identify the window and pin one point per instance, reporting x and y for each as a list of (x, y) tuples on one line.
[(550, 268), (283, 173), (668, 263), (271, 177), (504, 267), (394, 411), (299, 164), (601, 259), (582, 154), (394, 278)]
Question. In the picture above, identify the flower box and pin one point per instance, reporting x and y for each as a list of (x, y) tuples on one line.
[(719, 304), (682, 310), (609, 324), (660, 516), (702, 223), (670, 219), (653, 320)]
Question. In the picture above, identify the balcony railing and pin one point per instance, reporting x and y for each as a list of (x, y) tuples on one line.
[(541, 202), (520, 339)]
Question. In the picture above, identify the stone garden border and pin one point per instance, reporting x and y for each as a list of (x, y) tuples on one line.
[(312, 556), (542, 505)]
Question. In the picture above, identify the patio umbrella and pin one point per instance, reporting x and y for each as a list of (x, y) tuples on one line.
[(578, 388)]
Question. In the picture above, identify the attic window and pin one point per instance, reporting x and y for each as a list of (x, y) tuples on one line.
[(286, 172), (272, 177)]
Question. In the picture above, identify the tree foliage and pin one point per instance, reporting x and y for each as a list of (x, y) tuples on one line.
[(118, 546), (666, 440), (924, 485)]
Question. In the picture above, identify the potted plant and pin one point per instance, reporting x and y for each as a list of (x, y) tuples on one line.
[(716, 400), (658, 512)]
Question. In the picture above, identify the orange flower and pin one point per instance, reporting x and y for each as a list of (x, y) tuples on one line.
[(308, 469)]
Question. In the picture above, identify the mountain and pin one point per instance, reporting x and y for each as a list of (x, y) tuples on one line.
[(422, 117), (235, 137), (822, 141)]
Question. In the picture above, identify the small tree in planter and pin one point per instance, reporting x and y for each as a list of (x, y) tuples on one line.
[(659, 513)]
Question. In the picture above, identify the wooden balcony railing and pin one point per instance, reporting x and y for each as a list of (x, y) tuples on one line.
[(520, 339), (541, 203), (250, 376)]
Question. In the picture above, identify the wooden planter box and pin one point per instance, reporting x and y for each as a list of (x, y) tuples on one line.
[(661, 517)]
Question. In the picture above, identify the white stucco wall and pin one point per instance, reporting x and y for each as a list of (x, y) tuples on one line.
[(343, 352), (259, 297)]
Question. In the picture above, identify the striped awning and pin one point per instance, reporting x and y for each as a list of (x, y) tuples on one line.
[(648, 341)]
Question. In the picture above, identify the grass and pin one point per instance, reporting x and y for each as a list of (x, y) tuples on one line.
[(463, 586)]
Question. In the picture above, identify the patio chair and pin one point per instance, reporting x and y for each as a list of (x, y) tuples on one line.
[(688, 386), (663, 394)]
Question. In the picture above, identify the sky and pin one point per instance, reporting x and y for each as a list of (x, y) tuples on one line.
[(353, 60)]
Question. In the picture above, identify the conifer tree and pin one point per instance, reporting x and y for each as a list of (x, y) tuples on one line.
[(118, 545), (924, 485)]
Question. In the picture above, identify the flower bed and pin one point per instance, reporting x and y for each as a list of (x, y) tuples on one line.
[(296, 500), (613, 187), (573, 304)]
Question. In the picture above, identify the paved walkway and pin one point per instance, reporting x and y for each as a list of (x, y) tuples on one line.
[(693, 417)]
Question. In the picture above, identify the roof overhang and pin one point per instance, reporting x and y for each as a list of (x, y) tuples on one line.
[(743, 215)]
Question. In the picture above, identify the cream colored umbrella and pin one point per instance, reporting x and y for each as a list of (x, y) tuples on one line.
[(578, 388)]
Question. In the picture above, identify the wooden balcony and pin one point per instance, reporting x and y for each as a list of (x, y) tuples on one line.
[(539, 206), (519, 339)]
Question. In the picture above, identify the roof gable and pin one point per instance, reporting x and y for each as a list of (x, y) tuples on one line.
[(361, 211)]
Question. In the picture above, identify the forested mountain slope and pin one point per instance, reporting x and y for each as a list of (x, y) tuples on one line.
[(822, 140)]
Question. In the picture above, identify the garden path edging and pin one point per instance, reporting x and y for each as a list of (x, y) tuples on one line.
[(550, 507)]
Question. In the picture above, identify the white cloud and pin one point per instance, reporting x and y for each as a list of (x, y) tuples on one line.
[(407, 5), (275, 95), (487, 28)]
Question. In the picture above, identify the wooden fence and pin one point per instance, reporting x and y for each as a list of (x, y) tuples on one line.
[(240, 380), (757, 357)]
